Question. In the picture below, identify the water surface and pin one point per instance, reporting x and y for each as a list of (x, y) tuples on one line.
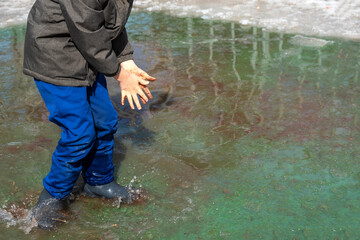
[(251, 135)]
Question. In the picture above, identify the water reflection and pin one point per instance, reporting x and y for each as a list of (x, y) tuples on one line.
[(247, 128), (251, 81)]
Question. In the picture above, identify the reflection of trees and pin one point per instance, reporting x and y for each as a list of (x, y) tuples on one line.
[(272, 63), (212, 63), (190, 50)]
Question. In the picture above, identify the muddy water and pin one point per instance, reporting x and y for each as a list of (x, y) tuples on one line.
[(251, 135)]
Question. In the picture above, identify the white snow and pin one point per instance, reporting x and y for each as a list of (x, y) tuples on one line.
[(338, 18), (14, 11)]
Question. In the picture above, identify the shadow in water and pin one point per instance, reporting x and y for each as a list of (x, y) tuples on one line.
[(130, 125)]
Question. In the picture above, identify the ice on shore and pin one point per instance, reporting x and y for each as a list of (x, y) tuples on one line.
[(14, 11), (336, 18)]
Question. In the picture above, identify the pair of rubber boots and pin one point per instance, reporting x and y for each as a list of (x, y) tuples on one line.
[(49, 211)]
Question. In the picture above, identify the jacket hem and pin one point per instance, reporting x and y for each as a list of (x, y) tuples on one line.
[(59, 82)]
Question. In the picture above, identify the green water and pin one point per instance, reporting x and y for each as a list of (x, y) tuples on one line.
[(251, 135)]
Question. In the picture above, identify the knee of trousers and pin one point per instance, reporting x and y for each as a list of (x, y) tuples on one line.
[(107, 128), (74, 146)]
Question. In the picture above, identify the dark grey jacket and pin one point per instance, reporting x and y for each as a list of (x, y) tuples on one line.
[(69, 41)]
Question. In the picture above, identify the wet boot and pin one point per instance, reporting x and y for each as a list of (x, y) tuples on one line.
[(49, 211), (110, 190)]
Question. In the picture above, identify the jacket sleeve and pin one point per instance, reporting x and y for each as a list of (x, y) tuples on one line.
[(85, 21), (122, 47)]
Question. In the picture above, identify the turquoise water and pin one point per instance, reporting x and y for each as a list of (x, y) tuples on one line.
[(251, 135)]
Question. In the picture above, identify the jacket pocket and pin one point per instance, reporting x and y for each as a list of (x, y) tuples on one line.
[(73, 63)]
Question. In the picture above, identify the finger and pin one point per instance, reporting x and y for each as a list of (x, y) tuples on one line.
[(136, 100), (143, 101), (146, 76), (147, 91), (123, 96), (142, 95), (130, 100), (143, 81)]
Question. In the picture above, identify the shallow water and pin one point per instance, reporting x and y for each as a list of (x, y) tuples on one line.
[(251, 135)]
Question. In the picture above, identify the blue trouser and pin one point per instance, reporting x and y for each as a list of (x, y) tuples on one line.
[(89, 121)]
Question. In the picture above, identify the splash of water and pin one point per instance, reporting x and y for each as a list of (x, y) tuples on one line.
[(135, 190), (18, 216)]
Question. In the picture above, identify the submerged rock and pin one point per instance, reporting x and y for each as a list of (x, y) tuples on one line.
[(309, 41)]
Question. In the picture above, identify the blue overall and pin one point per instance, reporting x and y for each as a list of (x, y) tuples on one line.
[(88, 121)]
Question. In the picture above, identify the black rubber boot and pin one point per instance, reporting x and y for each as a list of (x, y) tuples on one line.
[(110, 190), (49, 211)]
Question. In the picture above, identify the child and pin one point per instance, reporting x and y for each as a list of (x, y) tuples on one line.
[(69, 46)]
